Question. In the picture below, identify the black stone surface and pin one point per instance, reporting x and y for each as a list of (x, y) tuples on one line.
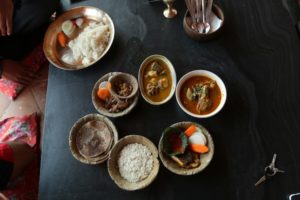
[(258, 58)]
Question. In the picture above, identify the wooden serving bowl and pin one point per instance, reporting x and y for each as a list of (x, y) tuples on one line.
[(205, 159), (113, 168), (73, 134), (124, 77), (99, 105)]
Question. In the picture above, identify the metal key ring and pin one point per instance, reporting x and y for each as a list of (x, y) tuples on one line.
[(270, 171)]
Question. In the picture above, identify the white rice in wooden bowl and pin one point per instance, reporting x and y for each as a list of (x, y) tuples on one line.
[(135, 162)]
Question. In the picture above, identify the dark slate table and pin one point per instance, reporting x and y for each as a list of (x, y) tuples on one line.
[(258, 58)]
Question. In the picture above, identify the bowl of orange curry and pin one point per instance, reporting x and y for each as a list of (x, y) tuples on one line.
[(157, 79), (201, 93)]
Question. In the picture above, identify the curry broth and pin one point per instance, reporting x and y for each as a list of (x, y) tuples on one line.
[(215, 95), (162, 94)]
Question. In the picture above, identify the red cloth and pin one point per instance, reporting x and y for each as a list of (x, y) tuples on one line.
[(23, 129), (35, 59), (6, 153)]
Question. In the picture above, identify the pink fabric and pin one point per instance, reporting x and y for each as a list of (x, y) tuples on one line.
[(10, 88), (23, 129), (19, 128), (35, 60)]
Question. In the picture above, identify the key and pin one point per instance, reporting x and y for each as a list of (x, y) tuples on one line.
[(270, 171), (278, 170), (272, 165), (262, 179)]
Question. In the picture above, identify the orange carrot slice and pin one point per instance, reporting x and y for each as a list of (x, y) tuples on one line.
[(103, 93), (198, 148), (62, 39), (190, 130)]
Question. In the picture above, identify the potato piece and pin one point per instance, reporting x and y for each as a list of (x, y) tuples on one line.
[(189, 94)]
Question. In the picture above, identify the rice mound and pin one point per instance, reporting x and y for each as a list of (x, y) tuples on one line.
[(90, 43), (135, 162)]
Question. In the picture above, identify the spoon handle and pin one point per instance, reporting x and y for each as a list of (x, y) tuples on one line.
[(191, 9), (203, 12), (209, 6), (197, 11)]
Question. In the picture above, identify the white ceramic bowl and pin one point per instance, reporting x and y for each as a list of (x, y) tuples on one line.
[(209, 75), (141, 73)]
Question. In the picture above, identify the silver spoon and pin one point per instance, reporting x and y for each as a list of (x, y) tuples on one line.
[(191, 9), (197, 15), (204, 27)]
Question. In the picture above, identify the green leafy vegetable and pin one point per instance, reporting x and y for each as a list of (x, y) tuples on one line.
[(174, 141)]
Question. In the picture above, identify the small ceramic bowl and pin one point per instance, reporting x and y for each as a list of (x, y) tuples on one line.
[(73, 135), (210, 75), (127, 78), (99, 104), (141, 75), (113, 168), (187, 23), (205, 159)]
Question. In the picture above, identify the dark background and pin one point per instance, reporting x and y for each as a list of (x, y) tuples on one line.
[(258, 58)]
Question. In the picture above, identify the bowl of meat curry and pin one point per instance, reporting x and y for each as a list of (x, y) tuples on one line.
[(157, 79), (201, 93)]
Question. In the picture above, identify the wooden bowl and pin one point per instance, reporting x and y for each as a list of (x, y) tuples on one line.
[(50, 39), (127, 78), (187, 21), (99, 105), (113, 168), (205, 159), (73, 134)]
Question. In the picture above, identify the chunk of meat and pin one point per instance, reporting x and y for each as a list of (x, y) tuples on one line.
[(151, 73), (155, 66), (204, 92), (152, 89), (123, 88), (203, 104), (114, 105), (153, 81), (155, 70), (121, 105), (187, 160), (163, 83)]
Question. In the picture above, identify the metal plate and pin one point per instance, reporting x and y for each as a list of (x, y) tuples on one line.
[(50, 39)]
